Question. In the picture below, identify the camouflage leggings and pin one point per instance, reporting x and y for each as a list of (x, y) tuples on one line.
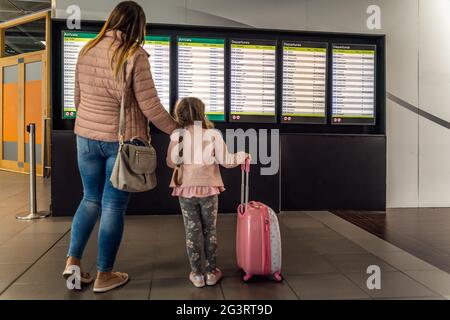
[(200, 217)]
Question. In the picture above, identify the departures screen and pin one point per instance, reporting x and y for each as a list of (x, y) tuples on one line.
[(157, 46), (353, 84), (253, 80), (304, 82), (201, 63)]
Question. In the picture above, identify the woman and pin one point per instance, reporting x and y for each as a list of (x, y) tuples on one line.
[(98, 91)]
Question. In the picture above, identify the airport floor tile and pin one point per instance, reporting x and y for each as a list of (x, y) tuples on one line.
[(325, 286), (324, 257), (182, 289), (393, 285)]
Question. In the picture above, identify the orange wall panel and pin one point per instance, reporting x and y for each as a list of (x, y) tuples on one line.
[(10, 112), (33, 107)]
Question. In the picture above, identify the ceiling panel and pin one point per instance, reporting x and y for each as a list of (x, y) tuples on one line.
[(26, 37), (10, 9)]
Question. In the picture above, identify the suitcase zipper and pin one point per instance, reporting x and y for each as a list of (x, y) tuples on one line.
[(138, 153), (267, 245)]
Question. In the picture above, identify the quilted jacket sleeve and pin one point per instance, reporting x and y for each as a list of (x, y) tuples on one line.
[(223, 157), (147, 96)]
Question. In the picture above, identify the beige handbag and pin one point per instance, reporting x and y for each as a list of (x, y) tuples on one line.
[(134, 169)]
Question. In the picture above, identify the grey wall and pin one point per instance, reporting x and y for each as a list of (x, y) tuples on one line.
[(418, 69)]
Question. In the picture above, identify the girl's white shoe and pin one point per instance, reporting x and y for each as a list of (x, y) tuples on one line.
[(213, 277), (198, 280)]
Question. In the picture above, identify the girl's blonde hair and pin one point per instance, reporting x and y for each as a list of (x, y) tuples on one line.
[(190, 109), (128, 17)]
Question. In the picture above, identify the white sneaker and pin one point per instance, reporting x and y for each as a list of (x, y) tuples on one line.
[(118, 280), (198, 280), (213, 277)]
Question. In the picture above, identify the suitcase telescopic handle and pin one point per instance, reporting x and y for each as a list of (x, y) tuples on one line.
[(245, 168)]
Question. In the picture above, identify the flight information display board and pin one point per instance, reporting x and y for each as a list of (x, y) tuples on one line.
[(304, 82), (353, 84), (159, 49), (73, 41), (253, 80), (201, 73)]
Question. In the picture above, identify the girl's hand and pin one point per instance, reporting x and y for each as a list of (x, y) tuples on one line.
[(248, 157)]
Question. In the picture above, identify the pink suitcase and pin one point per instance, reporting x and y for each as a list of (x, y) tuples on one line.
[(258, 240)]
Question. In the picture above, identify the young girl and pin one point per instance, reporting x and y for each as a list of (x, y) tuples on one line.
[(195, 152)]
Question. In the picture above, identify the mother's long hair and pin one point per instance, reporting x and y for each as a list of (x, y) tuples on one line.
[(128, 17)]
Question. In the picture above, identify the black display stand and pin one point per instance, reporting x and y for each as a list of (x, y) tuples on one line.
[(322, 166)]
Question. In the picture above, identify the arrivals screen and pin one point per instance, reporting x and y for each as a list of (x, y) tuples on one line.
[(304, 82), (353, 84), (159, 49), (253, 82), (157, 46), (201, 65)]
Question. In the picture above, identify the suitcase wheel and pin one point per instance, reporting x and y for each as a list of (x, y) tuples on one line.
[(247, 277), (277, 276)]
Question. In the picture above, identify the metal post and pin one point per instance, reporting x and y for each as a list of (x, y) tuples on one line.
[(33, 214)]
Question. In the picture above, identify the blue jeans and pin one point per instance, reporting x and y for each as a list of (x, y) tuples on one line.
[(95, 161)]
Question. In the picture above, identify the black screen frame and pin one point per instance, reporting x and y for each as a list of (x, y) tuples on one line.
[(58, 25)]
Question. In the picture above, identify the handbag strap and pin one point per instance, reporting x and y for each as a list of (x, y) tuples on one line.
[(122, 106), (178, 168), (122, 110), (180, 150)]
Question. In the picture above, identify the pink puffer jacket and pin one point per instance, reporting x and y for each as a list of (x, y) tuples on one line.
[(98, 95)]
